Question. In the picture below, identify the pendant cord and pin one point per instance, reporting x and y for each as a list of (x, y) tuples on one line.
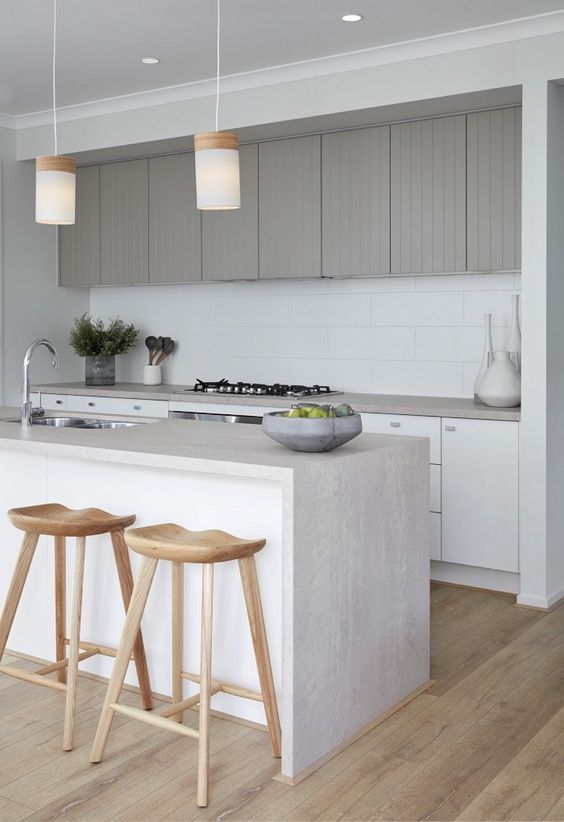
[(217, 66), (54, 74)]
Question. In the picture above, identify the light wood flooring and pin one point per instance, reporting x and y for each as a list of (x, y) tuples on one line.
[(485, 742)]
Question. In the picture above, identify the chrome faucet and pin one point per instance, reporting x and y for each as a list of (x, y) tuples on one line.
[(28, 412)]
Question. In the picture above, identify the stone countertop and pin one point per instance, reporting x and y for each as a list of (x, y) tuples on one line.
[(365, 403), (236, 450)]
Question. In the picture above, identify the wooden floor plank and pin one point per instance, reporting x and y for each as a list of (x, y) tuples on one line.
[(486, 742)]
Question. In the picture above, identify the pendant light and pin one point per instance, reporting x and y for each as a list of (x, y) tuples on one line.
[(217, 159), (55, 176)]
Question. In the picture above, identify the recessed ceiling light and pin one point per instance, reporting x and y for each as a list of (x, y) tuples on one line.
[(351, 18), (150, 61)]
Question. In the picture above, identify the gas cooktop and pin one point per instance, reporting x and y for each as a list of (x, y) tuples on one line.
[(277, 389)]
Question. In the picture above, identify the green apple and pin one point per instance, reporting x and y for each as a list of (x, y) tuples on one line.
[(294, 412)]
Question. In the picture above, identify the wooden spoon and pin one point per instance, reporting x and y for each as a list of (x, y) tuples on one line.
[(151, 342), (158, 349), (168, 348)]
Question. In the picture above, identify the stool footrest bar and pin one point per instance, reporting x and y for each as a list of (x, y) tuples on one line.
[(35, 678), (179, 707), (154, 719), (56, 666), (103, 650), (225, 687)]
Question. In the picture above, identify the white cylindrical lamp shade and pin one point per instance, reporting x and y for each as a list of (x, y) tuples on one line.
[(217, 171), (55, 190)]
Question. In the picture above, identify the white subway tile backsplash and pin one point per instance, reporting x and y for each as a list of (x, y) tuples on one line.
[(375, 343), (405, 335), (441, 308), (431, 378), (289, 341), (478, 303), (330, 309)]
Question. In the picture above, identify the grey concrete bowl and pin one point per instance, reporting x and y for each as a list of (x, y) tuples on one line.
[(311, 435)]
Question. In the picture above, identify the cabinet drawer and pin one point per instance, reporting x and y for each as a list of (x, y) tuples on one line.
[(436, 527), (113, 405), (54, 402), (408, 426)]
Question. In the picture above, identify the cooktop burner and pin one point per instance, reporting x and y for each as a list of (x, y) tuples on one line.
[(224, 386)]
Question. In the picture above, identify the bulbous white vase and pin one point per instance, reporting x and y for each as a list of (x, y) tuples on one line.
[(500, 386)]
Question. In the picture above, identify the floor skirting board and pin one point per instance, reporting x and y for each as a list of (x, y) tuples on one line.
[(469, 576), (541, 603)]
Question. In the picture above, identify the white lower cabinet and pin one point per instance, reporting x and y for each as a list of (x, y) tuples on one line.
[(480, 493), (436, 527), (105, 405)]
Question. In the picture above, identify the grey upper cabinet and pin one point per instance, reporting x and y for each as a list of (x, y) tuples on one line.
[(290, 208), (230, 238), (355, 183), (80, 243), (175, 241), (494, 190), (124, 222), (428, 195)]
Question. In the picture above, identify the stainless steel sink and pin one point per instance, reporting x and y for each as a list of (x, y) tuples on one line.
[(78, 422)]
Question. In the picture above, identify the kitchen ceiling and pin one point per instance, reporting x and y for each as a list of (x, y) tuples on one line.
[(101, 42)]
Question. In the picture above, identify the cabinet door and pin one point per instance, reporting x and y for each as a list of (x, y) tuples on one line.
[(230, 238), (480, 487), (80, 243), (124, 222), (355, 177), (428, 195), (494, 190), (175, 242), (290, 208)]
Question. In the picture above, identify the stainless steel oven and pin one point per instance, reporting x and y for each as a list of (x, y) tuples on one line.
[(202, 416)]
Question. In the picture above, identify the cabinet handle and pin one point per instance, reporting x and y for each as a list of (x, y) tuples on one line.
[(395, 424), (92, 404), (137, 407), (58, 402), (450, 428)]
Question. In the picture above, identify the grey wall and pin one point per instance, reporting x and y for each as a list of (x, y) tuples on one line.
[(32, 305)]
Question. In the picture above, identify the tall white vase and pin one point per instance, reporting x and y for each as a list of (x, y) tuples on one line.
[(488, 349), (514, 339), (501, 384)]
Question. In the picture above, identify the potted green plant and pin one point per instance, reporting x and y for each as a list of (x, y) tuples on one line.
[(99, 343)]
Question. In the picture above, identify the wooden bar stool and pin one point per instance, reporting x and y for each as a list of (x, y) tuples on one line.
[(61, 522), (176, 544)]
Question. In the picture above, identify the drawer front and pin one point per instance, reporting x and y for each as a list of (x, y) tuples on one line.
[(435, 489), (115, 405), (54, 402), (408, 426), (436, 527)]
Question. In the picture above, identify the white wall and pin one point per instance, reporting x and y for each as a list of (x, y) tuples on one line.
[(33, 306), (412, 335)]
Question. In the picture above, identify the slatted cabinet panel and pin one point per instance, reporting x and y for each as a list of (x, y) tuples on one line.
[(230, 238), (428, 195), (80, 243), (175, 242), (355, 176), (290, 208), (494, 190), (124, 222)]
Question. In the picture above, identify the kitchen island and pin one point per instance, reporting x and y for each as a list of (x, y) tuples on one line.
[(344, 574)]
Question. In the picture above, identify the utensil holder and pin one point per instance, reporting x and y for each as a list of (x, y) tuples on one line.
[(152, 375)]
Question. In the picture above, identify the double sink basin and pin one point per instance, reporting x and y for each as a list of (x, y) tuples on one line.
[(78, 422)]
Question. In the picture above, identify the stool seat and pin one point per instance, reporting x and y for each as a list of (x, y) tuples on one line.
[(177, 544), (57, 520)]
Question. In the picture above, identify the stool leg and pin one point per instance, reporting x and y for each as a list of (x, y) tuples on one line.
[(177, 634), (16, 587), (74, 643), (123, 565), (205, 684), (248, 570), (60, 604), (127, 641)]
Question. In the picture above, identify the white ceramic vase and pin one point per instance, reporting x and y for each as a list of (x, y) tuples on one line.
[(501, 384), (152, 375), (488, 349), (514, 339)]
